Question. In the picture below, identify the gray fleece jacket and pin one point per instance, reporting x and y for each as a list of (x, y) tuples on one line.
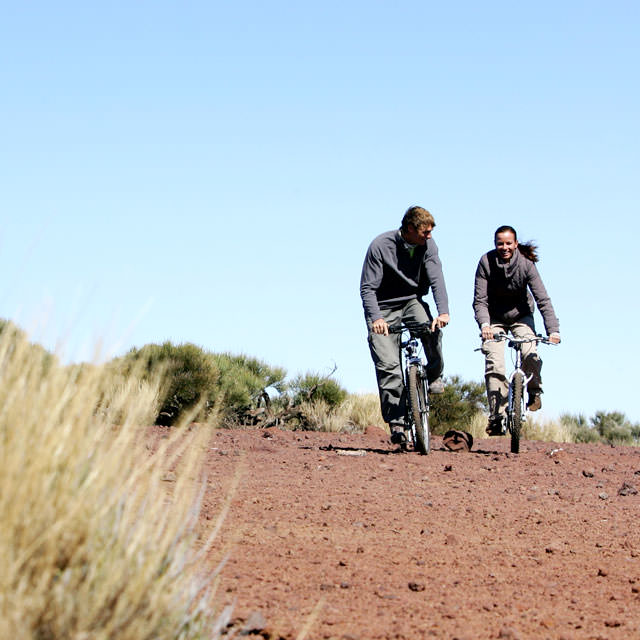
[(502, 291), (391, 275)]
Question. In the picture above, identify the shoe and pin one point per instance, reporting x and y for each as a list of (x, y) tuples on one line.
[(437, 386), (535, 401), (496, 426), (397, 434)]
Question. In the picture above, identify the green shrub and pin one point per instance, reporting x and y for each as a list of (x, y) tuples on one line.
[(312, 387), (189, 378), (457, 406), (579, 428), (612, 427), (243, 380)]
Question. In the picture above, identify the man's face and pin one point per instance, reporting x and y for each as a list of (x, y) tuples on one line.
[(417, 235), (506, 244)]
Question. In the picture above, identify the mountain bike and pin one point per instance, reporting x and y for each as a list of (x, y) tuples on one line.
[(414, 377), (518, 380)]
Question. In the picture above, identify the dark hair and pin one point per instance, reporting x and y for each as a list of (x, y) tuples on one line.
[(528, 249)]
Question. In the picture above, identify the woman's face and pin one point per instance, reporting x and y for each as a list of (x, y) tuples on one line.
[(506, 244)]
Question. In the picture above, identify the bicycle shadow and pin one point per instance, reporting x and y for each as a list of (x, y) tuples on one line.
[(399, 451), (355, 450)]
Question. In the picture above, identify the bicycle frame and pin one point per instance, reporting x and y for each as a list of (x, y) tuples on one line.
[(511, 409), (518, 382), (414, 377)]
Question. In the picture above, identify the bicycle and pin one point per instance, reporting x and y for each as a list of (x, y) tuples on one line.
[(518, 380), (414, 377)]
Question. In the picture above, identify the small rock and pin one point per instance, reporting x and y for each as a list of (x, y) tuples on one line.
[(603, 496), (170, 476), (254, 624), (417, 586), (627, 489), (448, 467), (601, 573), (588, 473), (345, 585), (509, 633)]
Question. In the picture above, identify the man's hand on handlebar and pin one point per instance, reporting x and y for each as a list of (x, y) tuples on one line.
[(554, 338), (440, 322), (380, 327)]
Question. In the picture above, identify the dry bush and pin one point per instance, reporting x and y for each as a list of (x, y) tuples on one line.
[(532, 429), (94, 543), (363, 410), (353, 415), (546, 430)]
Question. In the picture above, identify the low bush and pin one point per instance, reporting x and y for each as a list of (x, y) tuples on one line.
[(612, 427), (456, 408), (313, 387), (243, 380), (188, 378)]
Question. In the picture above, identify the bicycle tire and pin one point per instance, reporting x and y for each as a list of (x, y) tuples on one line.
[(517, 412), (419, 409)]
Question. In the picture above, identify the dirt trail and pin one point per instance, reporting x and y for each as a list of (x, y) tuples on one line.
[(341, 536)]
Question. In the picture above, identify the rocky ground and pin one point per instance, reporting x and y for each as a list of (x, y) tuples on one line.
[(343, 536)]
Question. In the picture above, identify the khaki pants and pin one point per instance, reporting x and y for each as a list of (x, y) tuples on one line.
[(494, 370), (385, 352)]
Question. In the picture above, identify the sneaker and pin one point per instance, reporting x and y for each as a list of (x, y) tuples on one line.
[(496, 426), (437, 386), (535, 401), (397, 434)]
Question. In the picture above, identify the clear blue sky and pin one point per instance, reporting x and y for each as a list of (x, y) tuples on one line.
[(213, 173)]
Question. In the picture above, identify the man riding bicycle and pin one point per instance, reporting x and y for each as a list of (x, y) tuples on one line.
[(399, 269)]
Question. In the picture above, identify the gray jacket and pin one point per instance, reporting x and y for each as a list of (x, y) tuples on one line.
[(503, 291), (391, 276)]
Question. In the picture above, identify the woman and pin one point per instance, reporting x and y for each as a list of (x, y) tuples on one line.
[(506, 278)]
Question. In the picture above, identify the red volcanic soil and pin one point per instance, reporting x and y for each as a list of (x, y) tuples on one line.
[(343, 536)]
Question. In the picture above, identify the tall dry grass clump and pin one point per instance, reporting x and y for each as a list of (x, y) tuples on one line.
[(353, 415), (93, 544)]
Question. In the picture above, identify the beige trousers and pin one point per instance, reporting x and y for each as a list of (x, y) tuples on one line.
[(494, 370)]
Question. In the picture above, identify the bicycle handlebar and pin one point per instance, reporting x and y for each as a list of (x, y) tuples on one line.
[(500, 337), (413, 327)]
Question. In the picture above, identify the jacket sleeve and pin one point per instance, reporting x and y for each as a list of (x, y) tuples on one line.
[(540, 295), (480, 295), (433, 268), (372, 271)]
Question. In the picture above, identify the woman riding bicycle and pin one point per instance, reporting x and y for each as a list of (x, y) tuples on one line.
[(506, 278)]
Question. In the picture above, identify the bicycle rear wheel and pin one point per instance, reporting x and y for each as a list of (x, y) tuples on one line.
[(517, 411), (419, 409)]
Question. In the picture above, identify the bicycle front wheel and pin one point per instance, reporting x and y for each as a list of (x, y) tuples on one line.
[(516, 411), (419, 409)]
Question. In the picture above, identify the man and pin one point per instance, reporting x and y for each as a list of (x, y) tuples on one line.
[(399, 268)]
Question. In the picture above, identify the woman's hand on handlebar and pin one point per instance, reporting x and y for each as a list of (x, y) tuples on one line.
[(440, 322), (487, 332), (554, 338), (380, 327)]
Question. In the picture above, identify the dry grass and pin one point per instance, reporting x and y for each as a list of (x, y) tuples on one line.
[(353, 415), (93, 544), (532, 429)]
